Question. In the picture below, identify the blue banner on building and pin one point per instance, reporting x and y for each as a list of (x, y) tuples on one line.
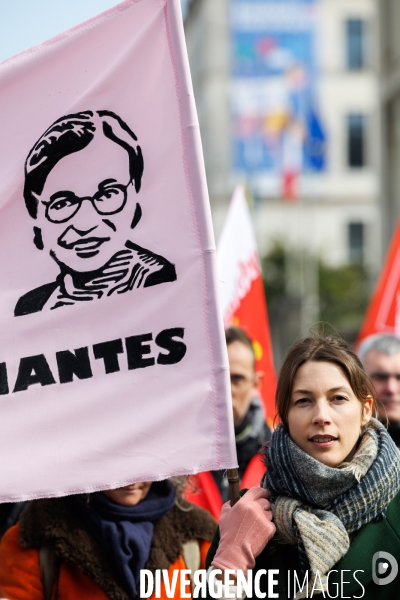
[(276, 128)]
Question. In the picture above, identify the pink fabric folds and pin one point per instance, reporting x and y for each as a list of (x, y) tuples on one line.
[(113, 366)]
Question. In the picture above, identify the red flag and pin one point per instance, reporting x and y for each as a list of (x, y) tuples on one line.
[(242, 291), (290, 185), (383, 313), (292, 161)]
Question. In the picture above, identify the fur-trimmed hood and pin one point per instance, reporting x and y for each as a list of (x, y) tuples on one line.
[(53, 521)]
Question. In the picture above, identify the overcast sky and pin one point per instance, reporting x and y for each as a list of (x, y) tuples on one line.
[(25, 23)]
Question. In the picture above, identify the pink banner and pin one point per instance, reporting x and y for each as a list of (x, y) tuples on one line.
[(113, 366)]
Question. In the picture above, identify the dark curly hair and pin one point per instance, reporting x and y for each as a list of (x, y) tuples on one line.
[(70, 134)]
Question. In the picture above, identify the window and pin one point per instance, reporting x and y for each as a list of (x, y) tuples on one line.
[(356, 141), (355, 42), (356, 242)]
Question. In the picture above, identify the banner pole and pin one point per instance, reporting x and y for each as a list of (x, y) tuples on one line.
[(233, 479)]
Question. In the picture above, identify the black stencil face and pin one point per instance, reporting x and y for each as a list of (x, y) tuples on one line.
[(82, 184), (87, 205)]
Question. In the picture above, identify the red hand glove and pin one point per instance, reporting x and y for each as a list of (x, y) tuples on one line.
[(245, 530)]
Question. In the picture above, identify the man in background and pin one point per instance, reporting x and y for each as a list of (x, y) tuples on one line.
[(251, 430), (380, 354)]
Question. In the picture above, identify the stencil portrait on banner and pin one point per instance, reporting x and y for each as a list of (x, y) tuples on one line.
[(109, 315), (82, 190)]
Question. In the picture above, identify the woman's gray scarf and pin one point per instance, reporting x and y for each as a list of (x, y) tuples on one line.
[(318, 507)]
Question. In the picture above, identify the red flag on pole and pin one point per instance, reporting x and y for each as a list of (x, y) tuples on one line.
[(242, 291), (383, 313), (292, 161)]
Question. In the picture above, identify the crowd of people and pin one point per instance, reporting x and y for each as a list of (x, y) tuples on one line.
[(323, 498)]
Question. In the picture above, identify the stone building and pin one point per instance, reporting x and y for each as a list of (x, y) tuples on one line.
[(389, 17), (337, 216)]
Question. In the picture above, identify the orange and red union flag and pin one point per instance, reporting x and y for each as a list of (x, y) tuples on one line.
[(242, 292), (383, 313)]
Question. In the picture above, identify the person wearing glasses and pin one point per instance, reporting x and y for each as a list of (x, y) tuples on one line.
[(251, 430), (380, 354), (82, 178)]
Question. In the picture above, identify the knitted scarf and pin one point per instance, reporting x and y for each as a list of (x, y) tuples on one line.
[(317, 507)]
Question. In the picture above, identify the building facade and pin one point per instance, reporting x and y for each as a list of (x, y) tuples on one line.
[(337, 215), (389, 18)]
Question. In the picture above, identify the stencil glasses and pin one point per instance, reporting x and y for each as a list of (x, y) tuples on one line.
[(108, 200)]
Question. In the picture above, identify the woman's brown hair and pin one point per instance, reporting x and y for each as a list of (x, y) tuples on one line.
[(320, 348)]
